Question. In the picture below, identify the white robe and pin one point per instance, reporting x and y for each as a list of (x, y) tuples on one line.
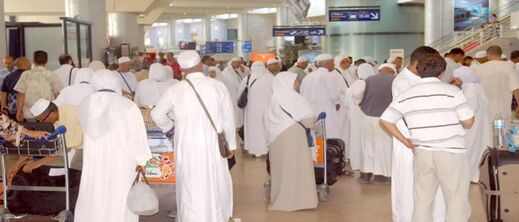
[(343, 119), (232, 79), (376, 144), (475, 140), (75, 94), (65, 75), (449, 70), (258, 101), (130, 85), (150, 90), (203, 181), (320, 89), (114, 143), (402, 164), (498, 79)]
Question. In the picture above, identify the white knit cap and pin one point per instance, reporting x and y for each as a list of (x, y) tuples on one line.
[(388, 65), (124, 59), (39, 107), (323, 57), (188, 59), (302, 59), (480, 55), (236, 59), (272, 61)]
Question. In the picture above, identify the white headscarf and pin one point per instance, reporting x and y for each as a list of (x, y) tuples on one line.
[(158, 72), (338, 60), (149, 91), (96, 65), (83, 75), (466, 74), (258, 68), (365, 70), (284, 95), (101, 110)]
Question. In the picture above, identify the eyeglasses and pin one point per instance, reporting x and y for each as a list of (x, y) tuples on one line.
[(45, 118)]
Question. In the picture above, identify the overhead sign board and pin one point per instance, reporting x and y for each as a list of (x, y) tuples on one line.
[(246, 47), (298, 31), (353, 14), (219, 47)]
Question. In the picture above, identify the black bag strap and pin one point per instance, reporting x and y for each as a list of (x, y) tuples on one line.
[(203, 105), (290, 115), (70, 76), (345, 81), (237, 75), (143, 176), (126, 82)]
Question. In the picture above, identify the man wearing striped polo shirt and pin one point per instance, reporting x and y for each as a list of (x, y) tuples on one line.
[(435, 114)]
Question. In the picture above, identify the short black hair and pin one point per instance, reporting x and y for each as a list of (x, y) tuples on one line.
[(64, 59), (431, 65), (40, 57), (494, 50), (514, 54), (457, 51), (206, 58), (420, 52), (468, 57)]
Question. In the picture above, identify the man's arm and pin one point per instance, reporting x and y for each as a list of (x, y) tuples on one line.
[(3, 101), (393, 130), (467, 123), (20, 101), (160, 113)]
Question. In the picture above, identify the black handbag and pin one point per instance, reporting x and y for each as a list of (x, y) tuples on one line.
[(244, 97), (222, 141)]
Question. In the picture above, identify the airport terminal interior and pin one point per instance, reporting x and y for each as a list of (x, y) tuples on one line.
[(259, 110)]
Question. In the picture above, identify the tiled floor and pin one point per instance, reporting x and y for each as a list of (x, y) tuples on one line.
[(349, 201)]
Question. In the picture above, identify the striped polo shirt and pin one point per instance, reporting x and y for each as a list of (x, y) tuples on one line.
[(432, 111)]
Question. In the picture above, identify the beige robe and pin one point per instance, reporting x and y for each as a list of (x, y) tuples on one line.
[(292, 170)]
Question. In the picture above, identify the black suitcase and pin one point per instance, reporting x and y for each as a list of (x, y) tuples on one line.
[(499, 185), (42, 203), (334, 162)]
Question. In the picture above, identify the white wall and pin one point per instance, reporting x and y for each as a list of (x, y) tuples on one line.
[(35, 18), (259, 28)]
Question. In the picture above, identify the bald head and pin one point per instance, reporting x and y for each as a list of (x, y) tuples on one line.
[(494, 53)]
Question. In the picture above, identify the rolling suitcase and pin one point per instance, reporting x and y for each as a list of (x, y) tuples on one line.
[(499, 185), (335, 162)]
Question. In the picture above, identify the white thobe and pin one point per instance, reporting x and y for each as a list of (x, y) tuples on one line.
[(203, 181), (475, 137), (149, 91), (320, 89), (474, 66), (375, 142), (66, 74), (109, 163), (128, 81), (402, 164), (232, 79), (449, 70), (258, 100), (499, 80), (343, 84), (74, 94)]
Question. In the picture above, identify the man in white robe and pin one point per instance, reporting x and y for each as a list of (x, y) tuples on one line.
[(299, 68), (320, 89), (75, 94), (260, 91), (114, 144), (126, 78), (453, 59), (150, 90), (203, 181), (66, 72), (499, 81), (402, 162), (232, 76), (479, 58), (465, 74), (96, 65)]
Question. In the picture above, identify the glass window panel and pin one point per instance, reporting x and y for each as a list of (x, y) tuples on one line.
[(49, 39)]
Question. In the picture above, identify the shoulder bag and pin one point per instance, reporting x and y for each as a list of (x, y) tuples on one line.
[(244, 97)]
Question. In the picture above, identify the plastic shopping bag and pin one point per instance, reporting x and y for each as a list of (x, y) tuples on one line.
[(142, 200)]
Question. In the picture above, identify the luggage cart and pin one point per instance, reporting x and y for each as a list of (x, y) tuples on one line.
[(55, 145), (323, 190), (160, 144)]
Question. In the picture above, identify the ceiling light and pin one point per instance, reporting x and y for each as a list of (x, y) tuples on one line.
[(171, 4), (185, 13), (141, 15)]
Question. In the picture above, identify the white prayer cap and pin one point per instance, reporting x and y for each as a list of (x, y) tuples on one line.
[(96, 65), (369, 59), (302, 59), (188, 59), (480, 54), (503, 56), (272, 61), (124, 59), (388, 65), (39, 107), (236, 59), (323, 57)]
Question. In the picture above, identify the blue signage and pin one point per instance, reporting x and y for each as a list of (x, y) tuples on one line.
[(219, 47), (247, 47), (354, 15), (299, 31)]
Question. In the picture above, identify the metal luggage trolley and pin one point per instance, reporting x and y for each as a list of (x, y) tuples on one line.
[(323, 190), (160, 170), (55, 145)]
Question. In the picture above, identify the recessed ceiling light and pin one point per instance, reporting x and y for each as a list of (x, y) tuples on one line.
[(171, 4), (185, 13), (141, 15)]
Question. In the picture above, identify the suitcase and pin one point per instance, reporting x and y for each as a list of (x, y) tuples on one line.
[(334, 162), (339, 151), (499, 185)]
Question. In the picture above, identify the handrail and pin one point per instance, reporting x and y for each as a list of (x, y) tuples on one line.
[(452, 37)]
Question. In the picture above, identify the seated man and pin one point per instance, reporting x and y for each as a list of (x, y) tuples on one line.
[(67, 116)]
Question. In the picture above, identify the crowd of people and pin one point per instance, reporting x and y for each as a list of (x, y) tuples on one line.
[(422, 127)]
